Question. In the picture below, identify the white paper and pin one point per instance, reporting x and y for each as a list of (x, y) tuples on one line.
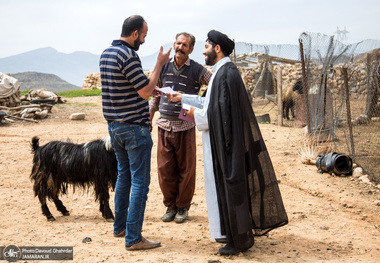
[(167, 90), (186, 106)]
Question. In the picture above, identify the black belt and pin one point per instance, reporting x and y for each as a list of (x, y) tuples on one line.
[(169, 117)]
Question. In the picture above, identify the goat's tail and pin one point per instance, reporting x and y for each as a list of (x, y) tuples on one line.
[(35, 144)]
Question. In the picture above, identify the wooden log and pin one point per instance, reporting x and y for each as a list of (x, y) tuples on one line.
[(21, 107), (19, 118)]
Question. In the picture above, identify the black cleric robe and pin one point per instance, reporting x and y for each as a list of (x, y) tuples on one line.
[(248, 193)]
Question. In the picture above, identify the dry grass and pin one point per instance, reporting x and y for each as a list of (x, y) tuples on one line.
[(312, 146)]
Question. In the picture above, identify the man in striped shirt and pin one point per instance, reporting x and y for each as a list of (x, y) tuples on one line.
[(125, 90)]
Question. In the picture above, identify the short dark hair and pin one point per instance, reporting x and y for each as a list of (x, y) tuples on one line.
[(213, 44), (192, 38), (131, 24)]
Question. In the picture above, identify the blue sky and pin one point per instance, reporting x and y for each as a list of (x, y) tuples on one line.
[(91, 25)]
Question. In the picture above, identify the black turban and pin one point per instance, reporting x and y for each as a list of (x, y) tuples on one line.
[(222, 40)]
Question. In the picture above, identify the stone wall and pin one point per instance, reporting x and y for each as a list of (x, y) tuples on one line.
[(291, 73), (358, 79)]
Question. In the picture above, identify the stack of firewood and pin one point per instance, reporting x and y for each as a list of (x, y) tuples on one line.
[(11, 101), (92, 81)]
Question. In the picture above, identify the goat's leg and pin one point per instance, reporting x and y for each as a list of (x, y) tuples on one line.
[(45, 208), (104, 206), (292, 110), (60, 207), (286, 111)]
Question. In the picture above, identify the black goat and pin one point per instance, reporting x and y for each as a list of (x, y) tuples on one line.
[(58, 164), (288, 99)]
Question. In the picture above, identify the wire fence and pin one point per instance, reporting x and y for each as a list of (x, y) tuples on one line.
[(328, 87)]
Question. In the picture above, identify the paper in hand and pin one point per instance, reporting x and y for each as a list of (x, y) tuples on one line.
[(167, 90), (186, 106)]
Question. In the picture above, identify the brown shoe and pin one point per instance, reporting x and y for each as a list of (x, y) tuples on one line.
[(121, 234), (144, 244)]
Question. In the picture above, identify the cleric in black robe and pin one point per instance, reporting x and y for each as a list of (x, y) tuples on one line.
[(247, 191)]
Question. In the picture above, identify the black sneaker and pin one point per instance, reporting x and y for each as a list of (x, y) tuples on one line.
[(181, 215), (169, 215)]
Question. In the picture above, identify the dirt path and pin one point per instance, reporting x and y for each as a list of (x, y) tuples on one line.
[(331, 219)]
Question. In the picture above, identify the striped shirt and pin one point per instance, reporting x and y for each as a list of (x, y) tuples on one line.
[(122, 76)]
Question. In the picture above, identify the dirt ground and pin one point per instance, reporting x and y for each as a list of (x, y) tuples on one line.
[(331, 218)]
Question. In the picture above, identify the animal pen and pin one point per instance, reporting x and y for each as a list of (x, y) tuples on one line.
[(339, 98)]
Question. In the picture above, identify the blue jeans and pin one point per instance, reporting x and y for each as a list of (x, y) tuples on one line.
[(133, 146)]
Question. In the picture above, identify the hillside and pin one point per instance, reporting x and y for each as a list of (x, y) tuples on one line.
[(35, 80), (73, 67)]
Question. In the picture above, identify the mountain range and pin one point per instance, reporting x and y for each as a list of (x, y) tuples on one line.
[(74, 67)]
